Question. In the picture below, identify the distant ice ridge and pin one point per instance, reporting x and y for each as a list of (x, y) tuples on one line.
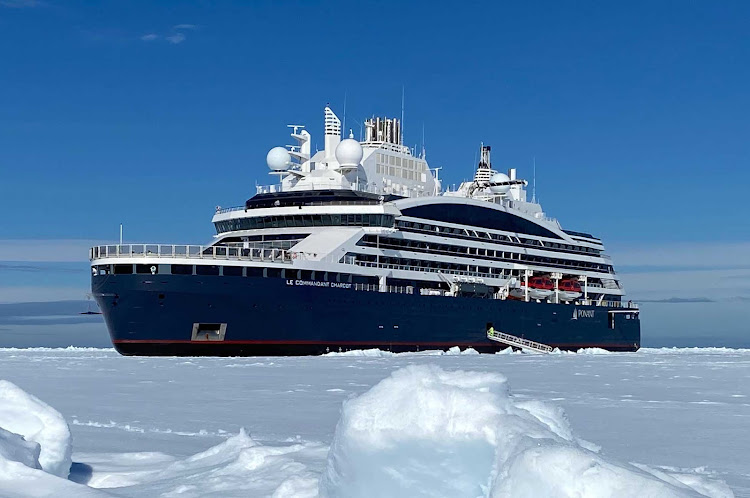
[(72, 349), (693, 350), (427, 432)]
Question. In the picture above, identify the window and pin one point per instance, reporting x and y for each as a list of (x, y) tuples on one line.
[(146, 269), (206, 270), (254, 271), (123, 269), (273, 272), (182, 269), (305, 221), (232, 271)]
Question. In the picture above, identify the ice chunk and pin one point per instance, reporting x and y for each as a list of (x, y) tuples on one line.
[(15, 448), (21, 474), (425, 431), (24, 414), (455, 350), (238, 466), (593, 351), (373, 353)]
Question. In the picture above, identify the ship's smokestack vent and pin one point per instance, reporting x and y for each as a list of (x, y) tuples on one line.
[(383, 130)]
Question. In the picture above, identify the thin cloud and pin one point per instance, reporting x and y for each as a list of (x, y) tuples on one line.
[(20, 4), (692, 255), (176, 38), (27, 294), (717, 285), (64, 250), (176, 35)]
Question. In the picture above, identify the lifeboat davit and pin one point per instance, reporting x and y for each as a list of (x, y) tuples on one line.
[(539, 288), (569, 289)]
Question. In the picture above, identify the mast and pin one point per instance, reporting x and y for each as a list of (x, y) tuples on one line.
[(401, 124)]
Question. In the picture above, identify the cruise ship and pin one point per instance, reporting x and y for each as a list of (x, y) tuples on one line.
[(358, 246)]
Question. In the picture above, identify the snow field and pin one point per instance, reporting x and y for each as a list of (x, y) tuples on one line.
[(425, 424)]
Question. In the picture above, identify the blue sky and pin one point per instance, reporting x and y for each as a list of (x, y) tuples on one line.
[(152, 113)]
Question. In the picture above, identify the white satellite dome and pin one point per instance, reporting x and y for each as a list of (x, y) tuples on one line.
[(278, 159), (349, 153), (499, 178)]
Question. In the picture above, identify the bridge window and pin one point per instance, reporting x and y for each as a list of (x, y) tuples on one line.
[(298, 220)]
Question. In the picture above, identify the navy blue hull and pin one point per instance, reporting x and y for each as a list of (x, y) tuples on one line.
[(155, 315)]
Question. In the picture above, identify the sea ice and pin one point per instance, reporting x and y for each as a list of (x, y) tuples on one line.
[(24, 414), (428, 432)]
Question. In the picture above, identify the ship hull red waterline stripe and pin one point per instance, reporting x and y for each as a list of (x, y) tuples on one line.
[(288, 348), (350, 344)]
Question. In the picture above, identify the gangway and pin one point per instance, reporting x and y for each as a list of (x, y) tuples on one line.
[(518, 342)]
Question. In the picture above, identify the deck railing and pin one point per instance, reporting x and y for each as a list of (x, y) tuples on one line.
[(190, 252), (283, 256)]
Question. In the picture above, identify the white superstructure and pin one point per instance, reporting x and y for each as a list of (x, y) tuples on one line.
[(373, 212)]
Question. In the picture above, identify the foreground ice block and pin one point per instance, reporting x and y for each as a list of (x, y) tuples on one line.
[(14, 448), (24, 414), (427, 432)]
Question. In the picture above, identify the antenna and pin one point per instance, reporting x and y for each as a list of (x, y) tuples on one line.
[(423, 148), (344, 126), (120, 233), (401, 129), (533, 184)]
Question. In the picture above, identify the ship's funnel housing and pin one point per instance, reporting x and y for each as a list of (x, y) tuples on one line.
[(386, 130), (484, 168), (332, 132)]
